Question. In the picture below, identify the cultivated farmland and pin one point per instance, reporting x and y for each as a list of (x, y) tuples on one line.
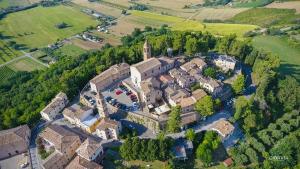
[(5, 72), (286, 5), (25, 64), (289, 55), (36, 27), (181, 24), (266, 16)]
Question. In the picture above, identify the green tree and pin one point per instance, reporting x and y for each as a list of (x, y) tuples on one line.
[(191, 46), (239, 84), (210, 72), (173, 124), (205, 106), (289, 93), (190, 134)]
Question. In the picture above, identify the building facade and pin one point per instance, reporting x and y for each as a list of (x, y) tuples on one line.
[(51, 111)]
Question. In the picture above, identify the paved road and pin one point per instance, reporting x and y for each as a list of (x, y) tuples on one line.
[(34, 158)]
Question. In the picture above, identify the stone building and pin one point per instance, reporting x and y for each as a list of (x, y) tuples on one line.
[(14, 141), (55, 107)]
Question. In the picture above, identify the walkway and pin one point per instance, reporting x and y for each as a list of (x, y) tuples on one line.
[(24, 56)]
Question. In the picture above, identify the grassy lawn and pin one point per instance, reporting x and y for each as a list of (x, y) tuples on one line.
[(69, 50), (181, 24), (7, 53), (289, 55), (25, 64), (266, 16), (36, 27)]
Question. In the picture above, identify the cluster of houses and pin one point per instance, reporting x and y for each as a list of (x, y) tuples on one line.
[(70, 150), (159, 84), (163, 82)]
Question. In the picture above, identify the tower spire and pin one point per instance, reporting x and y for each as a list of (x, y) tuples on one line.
[(147, 50)]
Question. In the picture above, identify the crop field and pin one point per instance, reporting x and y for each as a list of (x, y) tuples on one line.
[(217, 13), (37, 27), (289, 55), (286, 5), (102, 8), (8, 3), (5, 72), (180, 24), (7, 53), (251, 3), (266, 16), (25, 64)]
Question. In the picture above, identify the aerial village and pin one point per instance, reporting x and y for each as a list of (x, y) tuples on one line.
[(138, 97)]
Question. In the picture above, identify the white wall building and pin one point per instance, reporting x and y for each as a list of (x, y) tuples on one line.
[(108, 129)]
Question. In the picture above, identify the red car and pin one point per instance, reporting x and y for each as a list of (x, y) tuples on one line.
[(118, 92)]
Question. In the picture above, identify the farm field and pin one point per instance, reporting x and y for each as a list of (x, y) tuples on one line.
[(115, 12), (286, 5), (217, 13), (7, 53), (5, 72), (8, 3), (290, 56), (180, 24), (251, 3), (36, 27), (25, 64), (266, 16)]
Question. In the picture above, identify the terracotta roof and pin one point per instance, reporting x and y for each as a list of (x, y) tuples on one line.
[(188, 118), (165, 78), (195, 63), (198, 94), (207, 80), (14, 136), (76, 111), (228, 162), (223, 127), (185, 102), (88, 148), (51, 161), (166, 60), (107, 123), (146, 65), (60, 137), (55, 102), (149, 84), (113, 70), (81, 163)]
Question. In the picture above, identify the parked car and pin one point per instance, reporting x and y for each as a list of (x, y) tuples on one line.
[(118, 92), (109, 98), (128, 93)]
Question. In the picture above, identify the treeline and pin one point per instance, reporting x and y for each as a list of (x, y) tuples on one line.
[(277, 146), (24, 95), (135, 148)]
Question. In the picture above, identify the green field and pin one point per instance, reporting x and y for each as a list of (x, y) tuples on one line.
[(251, 3), (9, 3), (5, 72), (69, 50), (181, 24), (36, 27), (25, 64), (7, 53), (266, 16), (290, 56)]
